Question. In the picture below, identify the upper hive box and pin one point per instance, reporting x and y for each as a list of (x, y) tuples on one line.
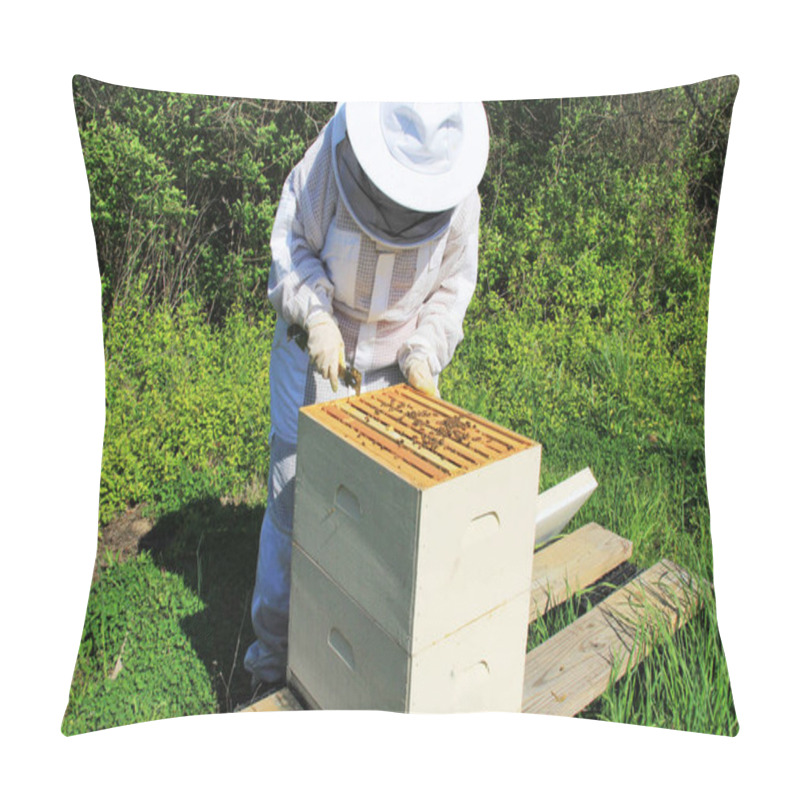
[(423, 513)]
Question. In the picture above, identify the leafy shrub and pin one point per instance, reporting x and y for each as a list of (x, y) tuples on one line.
[(187, 407), (593, 287), (138, 212), (134, 618), (184, 190)]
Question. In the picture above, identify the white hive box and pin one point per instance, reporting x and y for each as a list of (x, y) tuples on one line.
[(413, 543)]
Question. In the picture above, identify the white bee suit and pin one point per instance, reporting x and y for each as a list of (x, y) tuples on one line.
[(395, 299)]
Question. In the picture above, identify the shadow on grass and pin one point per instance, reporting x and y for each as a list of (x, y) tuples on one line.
[(214, 548)]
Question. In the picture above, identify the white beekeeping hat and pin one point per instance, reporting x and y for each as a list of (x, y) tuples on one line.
[(424, 156)]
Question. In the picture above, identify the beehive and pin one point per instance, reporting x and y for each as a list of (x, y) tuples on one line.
[(412, 556)]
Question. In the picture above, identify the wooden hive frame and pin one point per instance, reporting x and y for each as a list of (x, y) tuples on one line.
[(423, 439)]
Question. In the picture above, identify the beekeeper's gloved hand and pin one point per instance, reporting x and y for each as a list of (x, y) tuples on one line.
[(419, 376), (326, 347)]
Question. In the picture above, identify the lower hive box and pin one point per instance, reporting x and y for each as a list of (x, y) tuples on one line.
[(412, 555)]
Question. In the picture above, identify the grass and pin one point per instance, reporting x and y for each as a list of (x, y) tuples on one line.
[(205, 556), (683, 684), (650, 499), (176, 617)]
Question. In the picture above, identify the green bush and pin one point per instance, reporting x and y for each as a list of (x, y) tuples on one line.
[(134, 619), (187, 407), (184, 190), (596, 238)]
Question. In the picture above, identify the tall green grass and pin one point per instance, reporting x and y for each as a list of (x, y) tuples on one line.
[(683, 684), (647, 453)]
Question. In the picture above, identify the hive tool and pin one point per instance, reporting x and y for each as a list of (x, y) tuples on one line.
[(349, 376)]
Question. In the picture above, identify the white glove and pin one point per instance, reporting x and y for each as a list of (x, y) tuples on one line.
[(420, 377), (326, 347)]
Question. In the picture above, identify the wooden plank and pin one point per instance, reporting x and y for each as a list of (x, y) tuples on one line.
[(574, 667), (573, 563), (282, 700)]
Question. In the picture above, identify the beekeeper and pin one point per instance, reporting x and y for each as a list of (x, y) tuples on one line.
[(375, 254)]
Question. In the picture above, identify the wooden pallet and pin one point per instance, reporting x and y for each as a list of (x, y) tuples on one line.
[(575, 666)]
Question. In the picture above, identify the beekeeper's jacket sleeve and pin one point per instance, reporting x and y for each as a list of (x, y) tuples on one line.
[(298, 283), (440, 322)]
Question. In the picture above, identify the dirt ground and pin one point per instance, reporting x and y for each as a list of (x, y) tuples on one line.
[(121, 538)]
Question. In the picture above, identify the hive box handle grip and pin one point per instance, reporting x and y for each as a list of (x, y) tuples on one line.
[(342, 648), (481, 528), (347, 502)]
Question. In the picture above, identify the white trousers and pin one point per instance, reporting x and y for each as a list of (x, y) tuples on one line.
[(266, 657), (269, 611)]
